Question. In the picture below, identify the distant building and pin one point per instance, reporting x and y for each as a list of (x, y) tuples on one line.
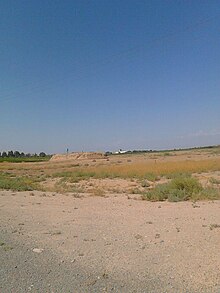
[(121, 152)]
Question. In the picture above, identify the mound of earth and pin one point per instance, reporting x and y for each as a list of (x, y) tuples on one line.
[(77, 156)]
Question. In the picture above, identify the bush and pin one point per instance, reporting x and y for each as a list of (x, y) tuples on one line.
[(17, 183), (207, 193), (159, 193), (180, 189), (189, 185)]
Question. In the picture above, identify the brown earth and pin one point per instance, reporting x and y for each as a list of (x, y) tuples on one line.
[(58, 243), (110, 241), (77, 156)]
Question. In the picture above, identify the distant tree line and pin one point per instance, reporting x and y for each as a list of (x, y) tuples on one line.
[(17, 154)]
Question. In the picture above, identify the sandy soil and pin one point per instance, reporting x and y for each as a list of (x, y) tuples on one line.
[(77, 156), (58, 243)]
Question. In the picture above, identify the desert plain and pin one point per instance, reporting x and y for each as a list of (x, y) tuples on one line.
[(102, 224)]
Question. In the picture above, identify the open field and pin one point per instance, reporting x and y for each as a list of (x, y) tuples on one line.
[(112, 224), (122, 174)]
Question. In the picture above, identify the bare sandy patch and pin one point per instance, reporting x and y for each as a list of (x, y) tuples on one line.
[(122, 239)]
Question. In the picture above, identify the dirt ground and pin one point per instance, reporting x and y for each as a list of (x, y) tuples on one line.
[(51, 242), (101, 237)]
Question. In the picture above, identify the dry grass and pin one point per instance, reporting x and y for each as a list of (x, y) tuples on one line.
[(141, 166), (62, 177), (152, 170), (97, 192)]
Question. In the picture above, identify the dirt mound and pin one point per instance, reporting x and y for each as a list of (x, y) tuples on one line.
[(77, 156)]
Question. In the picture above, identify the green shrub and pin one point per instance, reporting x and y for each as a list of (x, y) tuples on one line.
[(159, 193), (189, 185), (207, 193), (176, 195), (180, 189), (17, 183)]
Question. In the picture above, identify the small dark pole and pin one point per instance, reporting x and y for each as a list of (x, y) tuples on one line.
[(67, 151)]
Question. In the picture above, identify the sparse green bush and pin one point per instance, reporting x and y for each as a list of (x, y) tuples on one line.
[(17, 183), (159, 193), (207, 193), (180, 189), (188, 184), (151, 177), (176, 195), (214, 180)]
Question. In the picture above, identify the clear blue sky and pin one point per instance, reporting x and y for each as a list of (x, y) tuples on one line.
[(104, 75)]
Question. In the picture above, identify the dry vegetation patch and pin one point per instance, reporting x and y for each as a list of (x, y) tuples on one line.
[(135, 174)]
